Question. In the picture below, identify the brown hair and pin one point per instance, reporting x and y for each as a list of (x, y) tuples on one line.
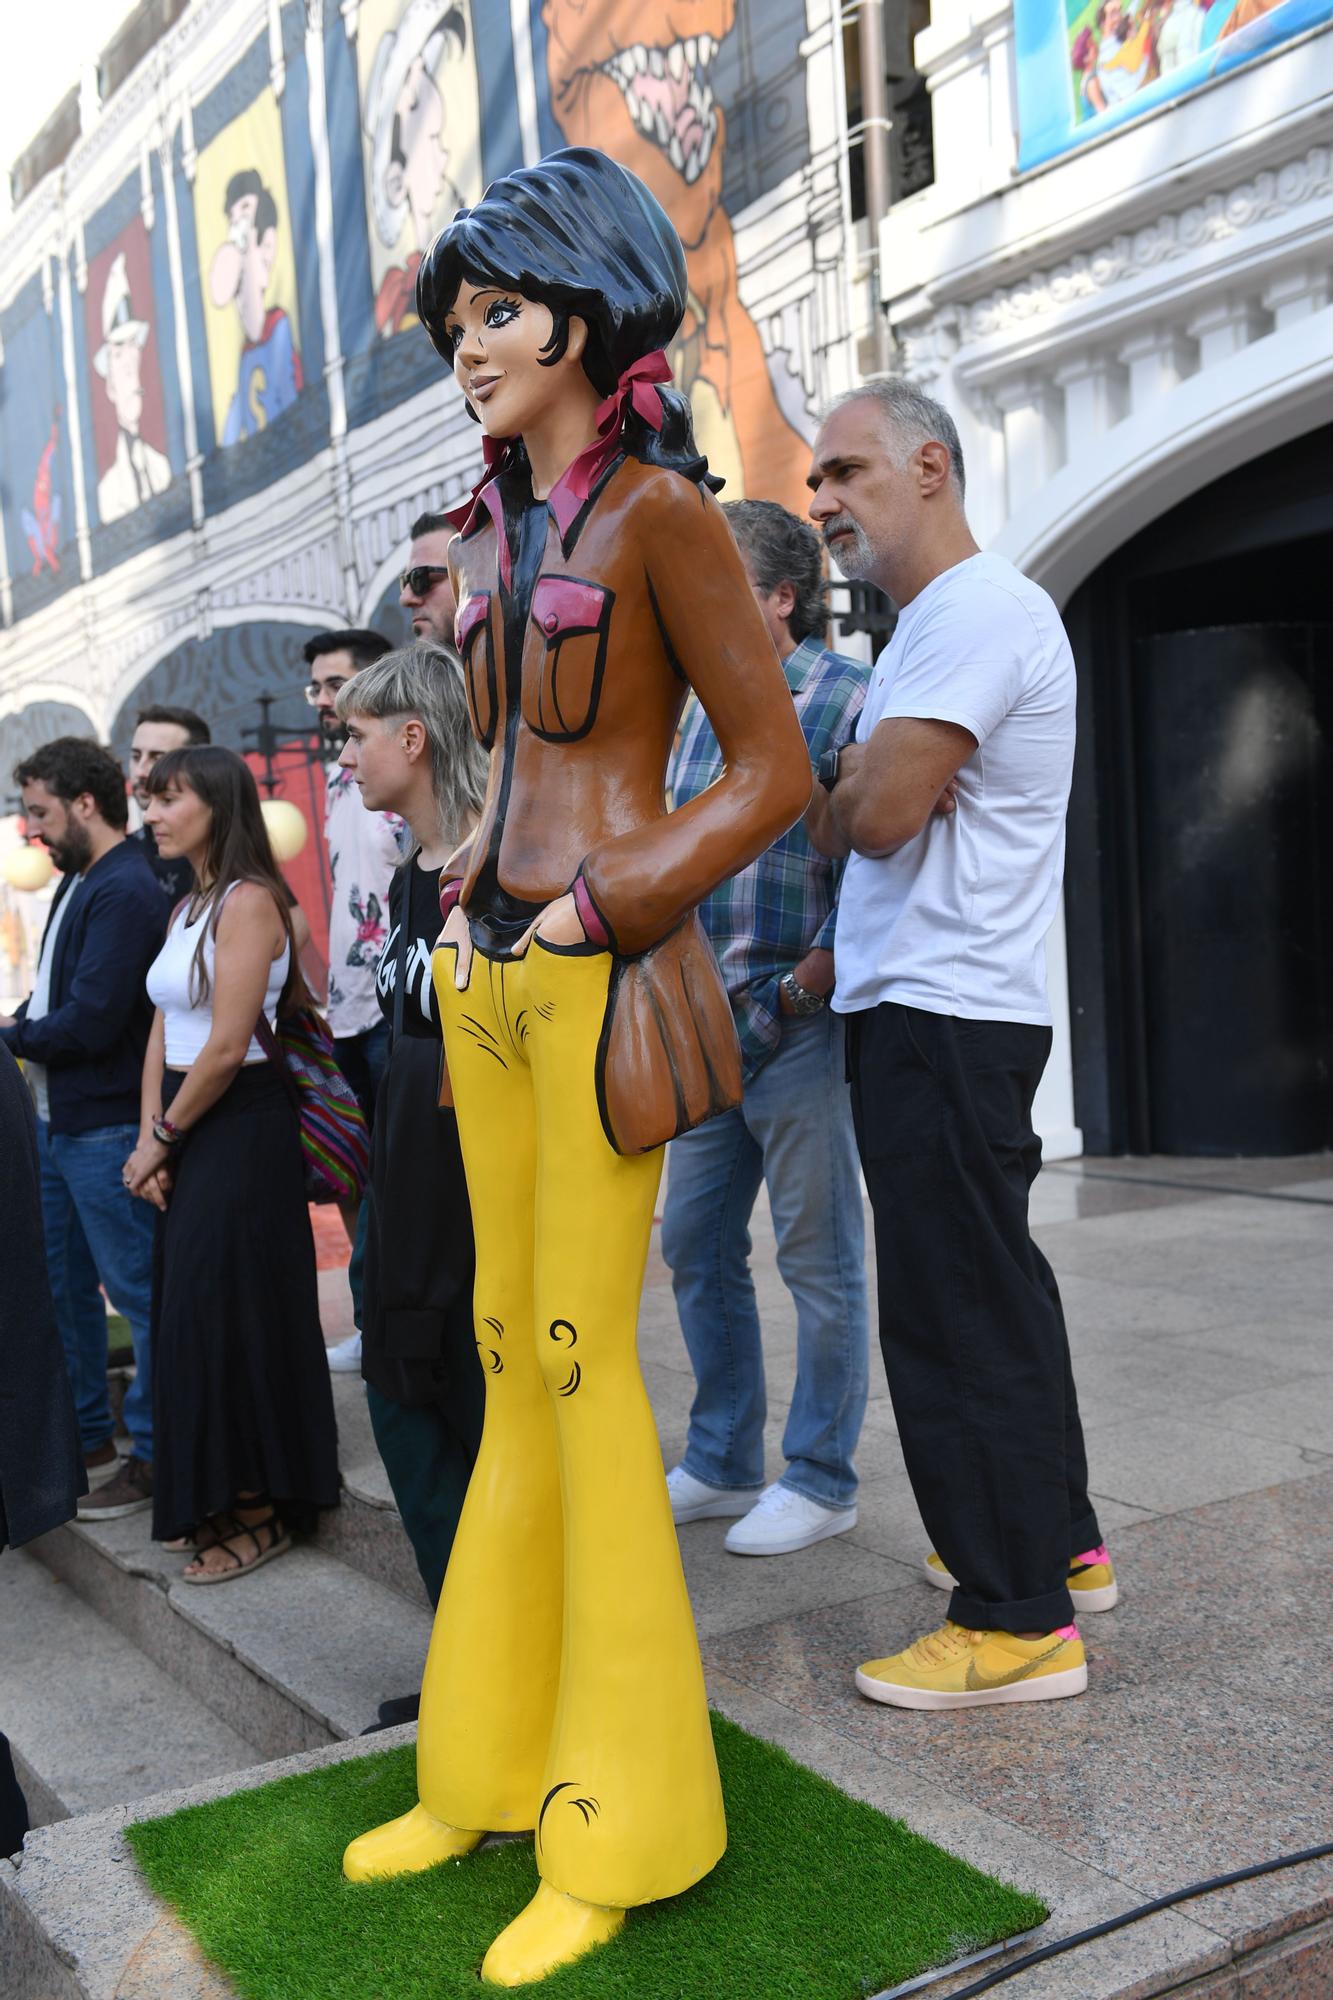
[(238, 849)]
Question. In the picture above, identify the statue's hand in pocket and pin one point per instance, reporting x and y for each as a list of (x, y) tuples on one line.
[(456, 932)]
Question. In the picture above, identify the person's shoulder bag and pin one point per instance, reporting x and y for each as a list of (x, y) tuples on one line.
[(335, 1140)]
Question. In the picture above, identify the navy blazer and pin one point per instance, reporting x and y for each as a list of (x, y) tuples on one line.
[(41, 1467), (94, 1033)]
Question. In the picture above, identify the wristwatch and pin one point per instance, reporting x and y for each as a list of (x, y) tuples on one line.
[(826, 770), (803, 1001)]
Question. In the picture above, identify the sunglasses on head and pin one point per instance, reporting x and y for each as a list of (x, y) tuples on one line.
[(416, 582)]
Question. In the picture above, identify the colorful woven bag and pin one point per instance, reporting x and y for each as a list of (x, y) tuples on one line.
[(335, 1143)]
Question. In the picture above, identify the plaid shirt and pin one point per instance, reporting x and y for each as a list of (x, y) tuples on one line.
[(764, 920)]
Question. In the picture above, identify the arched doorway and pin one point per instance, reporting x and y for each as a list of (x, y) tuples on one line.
[(1199, 885)]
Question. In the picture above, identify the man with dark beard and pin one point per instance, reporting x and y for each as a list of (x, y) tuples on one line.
[(81, 1036)]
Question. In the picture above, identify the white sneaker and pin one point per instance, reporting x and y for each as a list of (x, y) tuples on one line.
[(782, 1521), (692, 1500), (345, 1357)]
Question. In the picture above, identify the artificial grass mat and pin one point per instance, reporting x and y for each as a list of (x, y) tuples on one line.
[(818, 1897)]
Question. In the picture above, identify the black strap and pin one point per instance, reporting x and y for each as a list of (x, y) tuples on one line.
[(404, 918), (268, 1042)]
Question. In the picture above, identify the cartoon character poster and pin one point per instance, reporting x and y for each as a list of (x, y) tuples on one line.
[(125, 388), (35, 463), (421, 120), (628, 81), (248, 273), (1116, 59)]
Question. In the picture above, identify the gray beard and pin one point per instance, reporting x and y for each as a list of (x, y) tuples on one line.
[(855, 555)]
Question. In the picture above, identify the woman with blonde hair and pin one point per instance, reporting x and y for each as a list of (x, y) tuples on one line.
[(411, 750)]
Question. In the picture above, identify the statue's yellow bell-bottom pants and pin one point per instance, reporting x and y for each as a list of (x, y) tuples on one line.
[(563, 1690)]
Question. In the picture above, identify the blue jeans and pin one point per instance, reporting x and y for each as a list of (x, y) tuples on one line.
[(98, 1234), (794, 1131)]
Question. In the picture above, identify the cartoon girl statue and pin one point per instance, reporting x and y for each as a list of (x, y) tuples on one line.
[(585, 1024)]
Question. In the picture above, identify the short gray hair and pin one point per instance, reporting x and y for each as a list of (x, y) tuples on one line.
[(913, 417), (427, 682)]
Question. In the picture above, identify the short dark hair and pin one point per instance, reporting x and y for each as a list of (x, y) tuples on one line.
[(782, 548), (249, 182), (431, 524), (196, 729), (73, 765), (363, 645)]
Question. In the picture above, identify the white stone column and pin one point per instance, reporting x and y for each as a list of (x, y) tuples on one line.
[(1224, 327), (520, 28), (328, 295), (6, 580), (194, 462), (1033, 417), (1295, 295), (1158, 359), (72, 403), (1095, 390)]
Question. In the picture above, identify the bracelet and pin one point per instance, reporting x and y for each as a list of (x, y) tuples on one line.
[(166, 1133), (450, 895)]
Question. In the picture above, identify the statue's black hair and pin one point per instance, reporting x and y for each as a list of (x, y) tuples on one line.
[(587, 238)]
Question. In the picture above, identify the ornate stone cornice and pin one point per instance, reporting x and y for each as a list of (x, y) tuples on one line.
[(1215, 218)]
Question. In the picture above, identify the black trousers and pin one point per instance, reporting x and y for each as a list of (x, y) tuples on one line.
[(970, 1319), (13, 1805)]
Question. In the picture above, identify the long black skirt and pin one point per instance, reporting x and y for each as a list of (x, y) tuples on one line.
[(241, 1396)]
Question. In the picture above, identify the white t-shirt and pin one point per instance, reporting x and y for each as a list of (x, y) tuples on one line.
[(40, 1003), (364, 850), (955, 921)]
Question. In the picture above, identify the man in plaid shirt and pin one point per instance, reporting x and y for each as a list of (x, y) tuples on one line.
[(772, 929)]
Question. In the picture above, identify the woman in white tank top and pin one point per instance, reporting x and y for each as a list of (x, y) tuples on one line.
[(246, 1438)]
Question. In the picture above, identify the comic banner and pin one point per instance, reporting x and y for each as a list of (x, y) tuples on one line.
[(1086, 67)]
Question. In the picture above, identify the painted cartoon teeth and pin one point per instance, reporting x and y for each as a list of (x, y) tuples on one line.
[(689, 57)]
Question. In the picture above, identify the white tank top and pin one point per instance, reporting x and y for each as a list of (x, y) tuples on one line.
[(188, 1023)]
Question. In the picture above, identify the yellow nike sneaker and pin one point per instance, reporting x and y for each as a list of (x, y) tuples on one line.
[(1091, 1579), (958, 1668)]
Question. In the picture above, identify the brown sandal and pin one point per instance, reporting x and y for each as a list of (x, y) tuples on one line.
[(229, 1529)]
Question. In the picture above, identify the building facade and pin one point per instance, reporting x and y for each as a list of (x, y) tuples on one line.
[(218, 415), (1128, 309)]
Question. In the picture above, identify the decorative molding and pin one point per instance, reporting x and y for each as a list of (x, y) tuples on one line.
[(1218, 218)]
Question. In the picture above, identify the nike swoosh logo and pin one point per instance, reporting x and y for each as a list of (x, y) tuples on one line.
[(979, 1685)]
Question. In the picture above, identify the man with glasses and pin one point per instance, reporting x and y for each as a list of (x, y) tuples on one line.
[(425, 591), (364, 849)]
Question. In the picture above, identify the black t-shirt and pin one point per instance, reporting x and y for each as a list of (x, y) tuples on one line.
[(176, 876), (422, 886)]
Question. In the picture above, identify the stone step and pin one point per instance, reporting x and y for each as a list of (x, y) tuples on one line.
[(366, 1531), (298, 1655), (78, 1921), (91, 1721)]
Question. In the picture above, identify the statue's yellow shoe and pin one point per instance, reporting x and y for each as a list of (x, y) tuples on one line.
[(550, 1932), (402, 1846)]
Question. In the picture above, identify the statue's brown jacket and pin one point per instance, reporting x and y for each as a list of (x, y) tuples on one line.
[(576, 669)]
